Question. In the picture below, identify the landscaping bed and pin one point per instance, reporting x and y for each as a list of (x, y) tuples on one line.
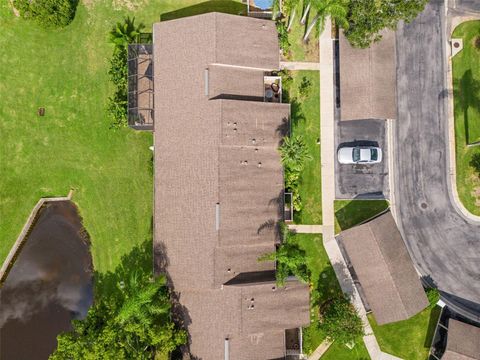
[(305, 122), (466, 87)]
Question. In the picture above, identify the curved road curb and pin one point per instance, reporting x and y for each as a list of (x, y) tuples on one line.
[(452, 165)]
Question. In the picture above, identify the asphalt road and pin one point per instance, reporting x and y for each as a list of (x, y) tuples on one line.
[(361, 181), (468, 5), (445, 246)]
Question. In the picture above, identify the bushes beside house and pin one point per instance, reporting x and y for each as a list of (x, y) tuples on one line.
[(294, 154), (289, 257), (122, 34)]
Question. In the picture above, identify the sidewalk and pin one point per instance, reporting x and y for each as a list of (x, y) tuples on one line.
[(297, 65), (305, 229), (327, 124)]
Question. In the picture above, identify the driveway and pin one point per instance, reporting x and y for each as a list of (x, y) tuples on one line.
[(444, 245), (361, 181)]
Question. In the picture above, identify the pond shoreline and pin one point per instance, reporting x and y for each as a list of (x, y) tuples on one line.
[(14, 251)]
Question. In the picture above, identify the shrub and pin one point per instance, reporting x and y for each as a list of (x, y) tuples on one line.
[(294, 154), (290, 259), (476, 42), (340, 321), (475, 162), (122, 34), (283, 37), (433, 295), (304, 87), (47, 13), (117, 108), (118, 68)]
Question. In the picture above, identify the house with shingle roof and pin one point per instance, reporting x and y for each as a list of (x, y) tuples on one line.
[(380, 262), (219, 186)]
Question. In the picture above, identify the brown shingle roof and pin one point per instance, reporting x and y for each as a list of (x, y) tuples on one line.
[(384, 268), (217, 166), (233, 81), (368, 79), (463, 342)]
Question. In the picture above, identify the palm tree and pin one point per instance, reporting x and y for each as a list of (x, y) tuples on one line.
[(294, 153), (324, 8), (290, 9), (306, 11), (142, 302), (125, 33)]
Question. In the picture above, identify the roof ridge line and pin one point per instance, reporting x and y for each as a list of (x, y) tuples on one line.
[(389, 270)]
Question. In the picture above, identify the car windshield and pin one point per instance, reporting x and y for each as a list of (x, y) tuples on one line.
[(374, 154), (356, 154)]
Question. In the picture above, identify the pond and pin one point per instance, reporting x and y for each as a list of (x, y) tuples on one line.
[(49, 284)]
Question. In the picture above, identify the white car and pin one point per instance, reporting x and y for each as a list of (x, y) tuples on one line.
[(360, 155)]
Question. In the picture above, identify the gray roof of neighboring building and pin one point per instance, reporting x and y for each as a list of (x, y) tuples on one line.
[(217, 166), (463, 342), (384, 268), (368, 79)]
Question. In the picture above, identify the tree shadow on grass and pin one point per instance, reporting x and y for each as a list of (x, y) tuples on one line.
[(223, 6), (138, 262), (357, 212), (467, 95)]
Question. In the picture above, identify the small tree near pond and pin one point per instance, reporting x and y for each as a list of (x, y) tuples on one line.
[(47, 13), (134, 322), (340, 321)]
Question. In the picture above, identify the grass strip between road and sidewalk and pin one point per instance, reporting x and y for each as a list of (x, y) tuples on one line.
[(466, 89)]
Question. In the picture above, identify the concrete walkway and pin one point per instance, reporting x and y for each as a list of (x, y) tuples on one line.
[(296, 65), (327, 124), (320, 350), (305, 229)]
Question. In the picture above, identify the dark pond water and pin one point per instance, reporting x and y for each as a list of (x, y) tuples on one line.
[(50, 284)]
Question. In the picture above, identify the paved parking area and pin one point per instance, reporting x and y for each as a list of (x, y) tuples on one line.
[(362, 181)]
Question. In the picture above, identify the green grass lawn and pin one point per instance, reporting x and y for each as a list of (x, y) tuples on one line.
[(72, 146), (466, 86), (299, 50), (324, 286), (323, 277), (305, 121), (338, 351), (349, 213), (409, 339)]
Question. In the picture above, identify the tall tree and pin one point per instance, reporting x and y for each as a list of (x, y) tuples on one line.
[(131, 322), (290, 10), (306, 11), (340, 321), (334, 8), (367, 18)]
